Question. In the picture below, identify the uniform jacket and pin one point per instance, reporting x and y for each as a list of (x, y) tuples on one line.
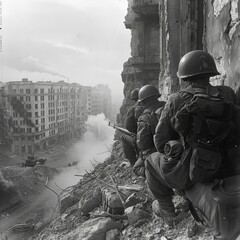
[(132, 116), (164, 130), (146, 128)]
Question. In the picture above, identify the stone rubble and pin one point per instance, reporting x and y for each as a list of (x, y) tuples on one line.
[(138, 221)]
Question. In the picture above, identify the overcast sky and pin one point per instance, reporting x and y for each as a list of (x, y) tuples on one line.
[(83, 40)]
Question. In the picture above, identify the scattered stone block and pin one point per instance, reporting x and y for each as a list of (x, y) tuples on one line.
[(136, 215), (97, 228), (67, 201), (89, 203), (112, 234)]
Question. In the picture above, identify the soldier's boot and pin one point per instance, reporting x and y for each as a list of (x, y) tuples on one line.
[(164, 208)]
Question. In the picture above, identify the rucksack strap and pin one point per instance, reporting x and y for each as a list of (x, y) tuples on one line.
[(205, 89)]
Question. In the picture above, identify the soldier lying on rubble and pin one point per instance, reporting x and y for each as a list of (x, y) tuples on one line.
[(195, 127)]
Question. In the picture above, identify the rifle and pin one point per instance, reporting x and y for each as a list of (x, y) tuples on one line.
[(123, 130), (133, 135)]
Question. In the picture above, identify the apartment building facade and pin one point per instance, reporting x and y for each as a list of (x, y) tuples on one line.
[(43, 113), (101, 100)]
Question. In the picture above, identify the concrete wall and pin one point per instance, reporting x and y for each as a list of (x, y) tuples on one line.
[(222, 38), (199, 24), (162, 35)]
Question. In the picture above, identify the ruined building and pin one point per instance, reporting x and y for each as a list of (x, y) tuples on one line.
[(101, 100), (164, 30), (36, 115)]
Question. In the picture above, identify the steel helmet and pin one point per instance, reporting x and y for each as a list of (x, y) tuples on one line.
[(148, 91), (196, 63), (134, 94)]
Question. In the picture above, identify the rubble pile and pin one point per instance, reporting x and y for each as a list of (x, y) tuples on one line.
[(87, 215), (28, 181)]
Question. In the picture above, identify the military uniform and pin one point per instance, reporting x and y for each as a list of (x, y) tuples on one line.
[(147, 123), (238, 95), (165, 132), (133, 113), (129, 143), (195, 67)]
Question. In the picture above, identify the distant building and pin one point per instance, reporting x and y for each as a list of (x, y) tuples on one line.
[(101, 100), (4, 138), (86, 98), (35, 115), (117, 101)]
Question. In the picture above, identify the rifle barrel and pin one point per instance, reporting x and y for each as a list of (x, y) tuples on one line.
[(123, 130)]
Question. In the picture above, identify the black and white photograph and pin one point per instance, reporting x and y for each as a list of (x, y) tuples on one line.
[(119, 120)]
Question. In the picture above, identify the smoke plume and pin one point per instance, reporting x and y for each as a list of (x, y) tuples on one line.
[(7, 191), (32, 64), (5, 185), (93, 148)]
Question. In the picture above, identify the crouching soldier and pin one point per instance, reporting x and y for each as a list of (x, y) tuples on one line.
[(147, 122), (129, 144), (195, 126)]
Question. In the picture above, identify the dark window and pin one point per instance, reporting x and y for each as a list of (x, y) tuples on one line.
[(23, 148), (29, 114)]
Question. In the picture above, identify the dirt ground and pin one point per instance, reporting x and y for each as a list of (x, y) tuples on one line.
[(38, 204)]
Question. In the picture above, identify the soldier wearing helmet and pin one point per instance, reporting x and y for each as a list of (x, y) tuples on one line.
[(195, 69), (132, 113), (147, 122), (129, 143)]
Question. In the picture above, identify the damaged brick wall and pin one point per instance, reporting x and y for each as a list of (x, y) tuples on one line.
[(181, 31), (143, 66), (222, 38), (163, 31)]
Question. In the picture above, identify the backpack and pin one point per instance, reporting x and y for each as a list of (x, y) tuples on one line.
[(218, 205), (153, 117), (205, 124), (111, 202)]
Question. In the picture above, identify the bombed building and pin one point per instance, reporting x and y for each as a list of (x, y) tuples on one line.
[(163, 31)]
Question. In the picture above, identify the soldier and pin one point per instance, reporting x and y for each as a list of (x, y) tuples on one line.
[(195, 69), (147, 122), (238, 95), (130, 149)]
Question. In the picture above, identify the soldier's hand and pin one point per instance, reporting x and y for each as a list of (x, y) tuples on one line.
[(139, 168)]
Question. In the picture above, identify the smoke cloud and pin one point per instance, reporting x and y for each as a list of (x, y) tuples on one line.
[(32, 64), (93, 148), (7, 191)]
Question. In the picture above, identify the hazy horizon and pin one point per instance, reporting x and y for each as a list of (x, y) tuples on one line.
[(77, 41)]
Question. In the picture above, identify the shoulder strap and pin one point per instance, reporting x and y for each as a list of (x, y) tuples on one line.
[(193, 91)]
